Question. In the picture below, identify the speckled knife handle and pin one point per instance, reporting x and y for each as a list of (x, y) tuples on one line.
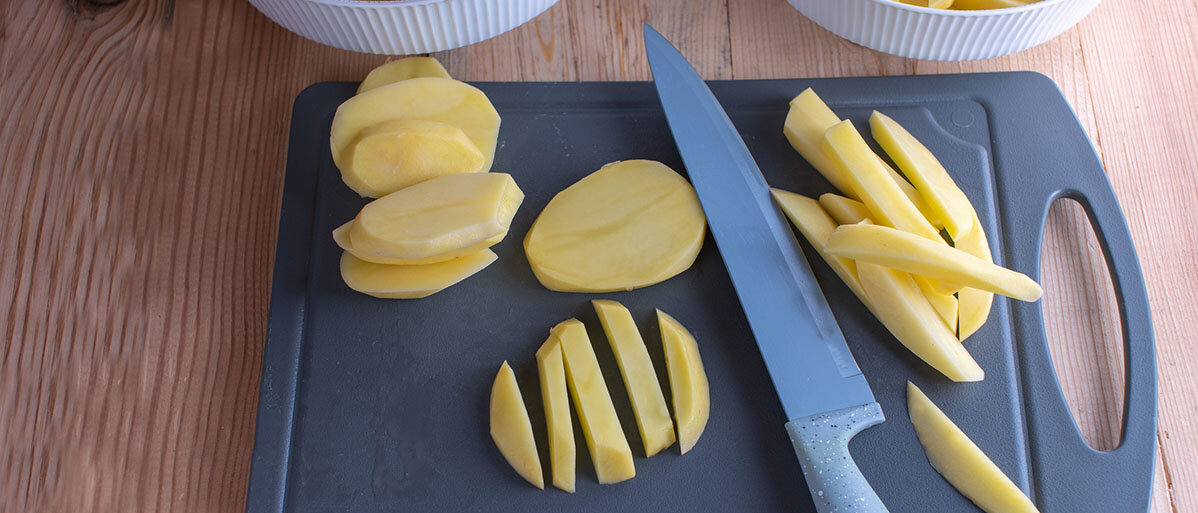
[(822, 443)]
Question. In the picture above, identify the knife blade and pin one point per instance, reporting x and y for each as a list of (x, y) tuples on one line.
[(823, 393)]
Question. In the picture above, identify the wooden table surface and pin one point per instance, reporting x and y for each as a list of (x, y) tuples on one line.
[(142, 148)]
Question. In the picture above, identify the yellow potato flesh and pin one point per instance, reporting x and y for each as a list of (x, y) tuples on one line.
[(688, 381), (945, 304), (977, 5), (556, 399), (511, 430), (944, 198), (809, 117), (400, 70), (973, 304), (960, 461), (410, 281), (806, 123), (850, 211), (648, 403), (816, 226), (935, 4), (906, 313), (438, 216), (906, 252), (628, 225), (869, 177), (844, 210), (600, 425), (433, 99), (395, 154), (341, 237)]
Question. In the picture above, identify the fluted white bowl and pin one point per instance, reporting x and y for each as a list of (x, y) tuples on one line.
[(944, 35), (400, 27)]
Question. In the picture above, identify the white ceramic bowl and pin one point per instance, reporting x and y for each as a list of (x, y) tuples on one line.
[(400, 27), (944, 35)]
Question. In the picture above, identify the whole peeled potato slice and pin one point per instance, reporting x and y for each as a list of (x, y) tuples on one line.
[(341, 237), (432, 99), (438, 216), (628, 225), (402, 69), (395, 154), (410, 281)]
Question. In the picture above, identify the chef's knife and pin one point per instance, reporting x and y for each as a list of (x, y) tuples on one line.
[(822, 391)]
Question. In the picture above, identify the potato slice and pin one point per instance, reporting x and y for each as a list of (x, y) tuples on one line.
[(977, 5), (628, 225), (433, 99), (511, 430), (688, 381), (850, 211), (341, 237), (410, 281), (600, 425), (815, 225), (973, 305), (556, 398), (960, 461), (809, 117), (400, 70), (648, 403), (439, 216), (906, 252), (944, 198), (844, 210), (945, 304), (904, 310), (869, 177), (395, 154), (935, 4)]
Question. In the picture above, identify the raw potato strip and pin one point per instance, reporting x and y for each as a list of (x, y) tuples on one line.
[(511, 430), (600, 425), (906, 313), (973, 305), (402, 69), (809, 117), (960, 461), (844, 210), (688, 381), (556, 398), (870, 179), (640, 380), (815, 225), (906, 252), (945, 199), (850, 211), (806, 122)]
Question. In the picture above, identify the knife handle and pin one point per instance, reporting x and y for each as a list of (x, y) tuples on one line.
[(822, 444)]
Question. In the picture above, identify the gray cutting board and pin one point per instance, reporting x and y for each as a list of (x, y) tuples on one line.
[(380, 405)]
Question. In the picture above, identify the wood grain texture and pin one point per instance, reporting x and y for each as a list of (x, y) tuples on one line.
[(143, 144)]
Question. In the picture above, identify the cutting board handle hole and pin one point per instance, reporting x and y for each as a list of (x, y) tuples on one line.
[(1082, 324)]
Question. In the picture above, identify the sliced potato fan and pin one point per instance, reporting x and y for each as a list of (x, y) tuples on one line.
[(628, 225)]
